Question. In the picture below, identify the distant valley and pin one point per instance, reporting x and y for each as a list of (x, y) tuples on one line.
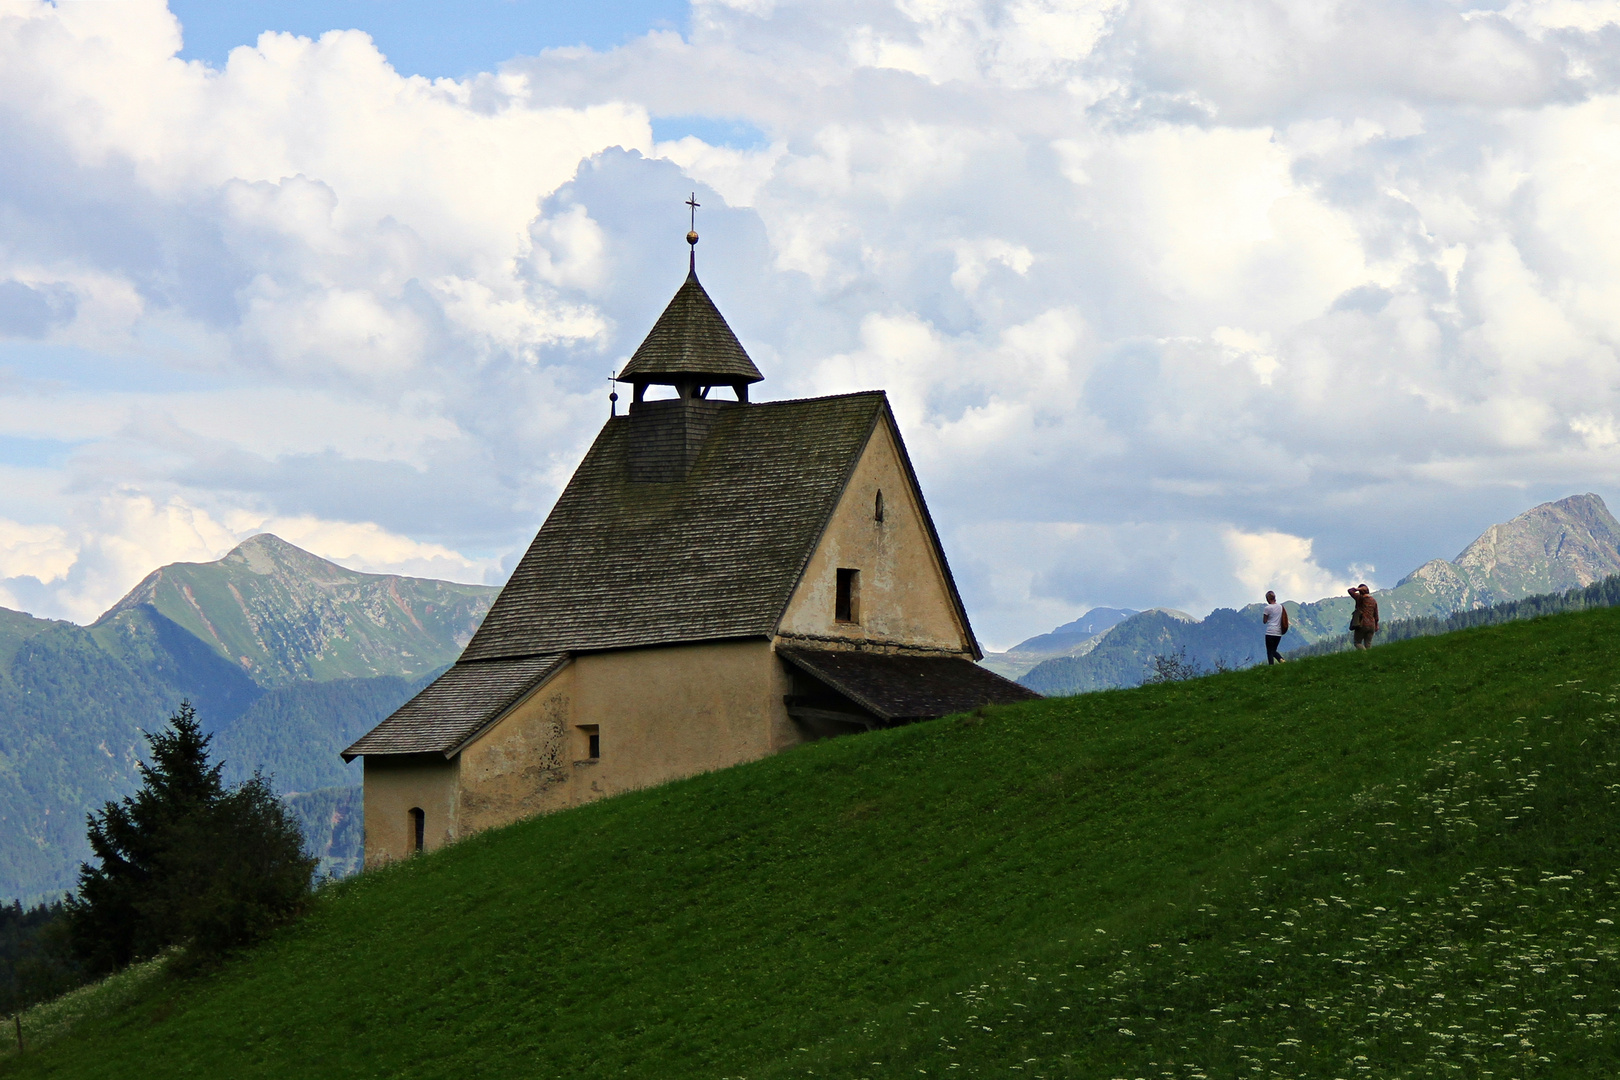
[(286, 656), (1558, 545)]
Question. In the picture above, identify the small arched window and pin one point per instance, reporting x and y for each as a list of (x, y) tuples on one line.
[(418, 828), (877, 508)]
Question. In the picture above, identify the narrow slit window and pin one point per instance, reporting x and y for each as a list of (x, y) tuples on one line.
[(418, 828), (592, 740), (877, 508), (847, 605)]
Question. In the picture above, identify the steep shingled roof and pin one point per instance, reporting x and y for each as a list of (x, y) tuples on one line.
[(455, 707), (691, 337), (622, 564), (716, 555)]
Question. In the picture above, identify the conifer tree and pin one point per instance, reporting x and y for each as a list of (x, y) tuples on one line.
[(186, 861)]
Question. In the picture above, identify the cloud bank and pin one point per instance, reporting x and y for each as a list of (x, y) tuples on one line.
[(1175, 301)]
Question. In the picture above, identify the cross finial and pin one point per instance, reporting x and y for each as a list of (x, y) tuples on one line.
[(691, 234)]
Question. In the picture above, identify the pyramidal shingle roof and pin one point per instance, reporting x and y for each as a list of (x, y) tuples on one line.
[(691, 338)]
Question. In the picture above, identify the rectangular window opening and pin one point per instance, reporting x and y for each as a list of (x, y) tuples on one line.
[(593, 741), (847, 606)]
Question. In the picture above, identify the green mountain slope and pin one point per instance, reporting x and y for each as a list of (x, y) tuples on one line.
[(1225, 638), (329, 652), (1568, 544), (285, 615), (334, 827), (1071, 639), (73, 702), (298, 733), (1397, 863)]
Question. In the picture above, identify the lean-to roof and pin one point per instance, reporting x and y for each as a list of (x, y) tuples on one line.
[(456, 706), (901, 688)]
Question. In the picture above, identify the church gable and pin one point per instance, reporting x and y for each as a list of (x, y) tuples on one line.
[(878, 575)]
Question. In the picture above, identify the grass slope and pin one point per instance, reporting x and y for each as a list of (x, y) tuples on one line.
[(1397, 863)]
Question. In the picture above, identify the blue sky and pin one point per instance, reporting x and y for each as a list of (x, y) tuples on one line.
[(436, 39), (1176, 300)]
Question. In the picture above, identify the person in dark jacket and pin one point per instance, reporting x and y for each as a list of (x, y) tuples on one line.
[(1364, 620)]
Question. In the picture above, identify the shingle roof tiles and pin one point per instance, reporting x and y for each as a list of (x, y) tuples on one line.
[(455, 706), (717, 555), (691, 337), (897, 688)]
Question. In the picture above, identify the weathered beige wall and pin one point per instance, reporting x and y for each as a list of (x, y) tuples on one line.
[(677, 711), (393, 785), (661, 714), (904, 599), (522, 765)]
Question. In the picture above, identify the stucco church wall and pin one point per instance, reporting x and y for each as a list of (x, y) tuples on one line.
[(670, 712), (521, 766), (660, 714), (904, 598), (393, 786)]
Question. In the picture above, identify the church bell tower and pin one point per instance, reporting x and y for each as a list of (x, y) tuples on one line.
[(692, 350)]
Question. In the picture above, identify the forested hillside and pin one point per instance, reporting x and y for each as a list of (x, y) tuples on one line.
[(329, 652)]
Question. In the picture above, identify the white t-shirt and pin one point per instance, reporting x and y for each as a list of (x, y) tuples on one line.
[(1273, 617)]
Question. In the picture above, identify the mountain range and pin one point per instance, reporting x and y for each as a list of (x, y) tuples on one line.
[(286, 656), (1558, 545), (1071, 639), (289, 658)]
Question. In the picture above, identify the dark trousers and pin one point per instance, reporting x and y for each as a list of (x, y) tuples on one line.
[(1272, 644)]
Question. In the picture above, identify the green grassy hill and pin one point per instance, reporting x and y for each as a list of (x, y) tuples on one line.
[(1398, 863)]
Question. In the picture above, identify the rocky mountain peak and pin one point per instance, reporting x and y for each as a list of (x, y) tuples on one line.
[(268, 553), (283, 614), (1574, 540)]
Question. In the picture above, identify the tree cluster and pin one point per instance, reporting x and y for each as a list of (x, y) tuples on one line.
[(186, 860), (36, 961)]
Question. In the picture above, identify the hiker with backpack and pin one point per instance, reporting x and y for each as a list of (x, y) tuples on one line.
[(1364, 620), (1275, 618)]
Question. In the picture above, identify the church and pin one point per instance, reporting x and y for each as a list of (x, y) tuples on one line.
[(720, 580)]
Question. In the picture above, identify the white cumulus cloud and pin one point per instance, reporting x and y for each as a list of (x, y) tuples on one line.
[(1174, 300)]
